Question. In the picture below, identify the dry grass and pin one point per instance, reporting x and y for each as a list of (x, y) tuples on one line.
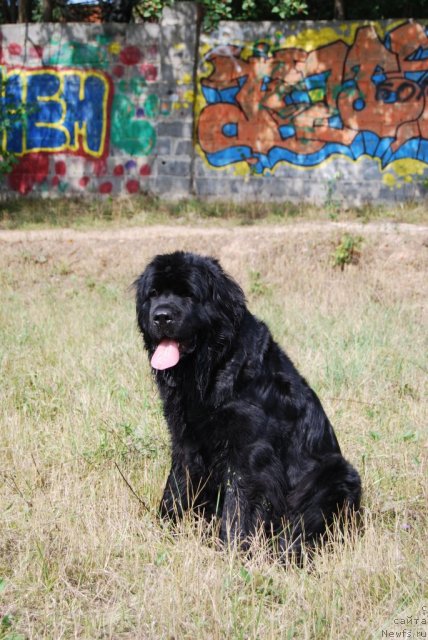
[(31, 213), (82, 557)]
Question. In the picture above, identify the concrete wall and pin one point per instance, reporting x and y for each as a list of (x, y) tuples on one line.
[(285, 111), (110, 107)]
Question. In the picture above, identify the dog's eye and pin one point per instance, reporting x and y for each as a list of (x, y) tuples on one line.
[(153, 293)]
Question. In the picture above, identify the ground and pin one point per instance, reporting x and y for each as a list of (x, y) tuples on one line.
[(84, 449), (119, 250)]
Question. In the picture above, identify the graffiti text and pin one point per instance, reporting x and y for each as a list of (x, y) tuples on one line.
[(66, 110), (368, 97)]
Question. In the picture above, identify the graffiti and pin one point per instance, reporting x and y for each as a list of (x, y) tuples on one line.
[(90, 113), (134, 135), (29, 171), (365, 97), (67, 110)]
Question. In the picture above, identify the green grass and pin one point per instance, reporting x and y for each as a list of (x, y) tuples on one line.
[(30, 213), (84, 556)]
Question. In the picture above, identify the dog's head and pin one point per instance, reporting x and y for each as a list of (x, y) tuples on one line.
[(186, 304)]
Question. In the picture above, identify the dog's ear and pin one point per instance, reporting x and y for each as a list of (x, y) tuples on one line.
[(225, 292), (226, 302), (141, 284), (141, 287)]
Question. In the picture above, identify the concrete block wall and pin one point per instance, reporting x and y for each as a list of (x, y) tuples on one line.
[(324, 112), (109, 107)]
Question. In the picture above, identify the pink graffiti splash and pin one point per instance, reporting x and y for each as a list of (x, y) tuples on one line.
[(149, 72), (15, 49)]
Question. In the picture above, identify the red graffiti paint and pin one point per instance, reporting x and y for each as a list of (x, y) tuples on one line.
[(106, 187), (100, 167), (83, 182), (30, 170), (118, 170), (14, 49), (36, 51), (149, 72), (145, 170), (130, 55), (60, 168), (133, 186), (118, 71)]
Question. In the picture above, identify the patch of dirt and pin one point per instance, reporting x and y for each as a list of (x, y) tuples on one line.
[(399, 251)]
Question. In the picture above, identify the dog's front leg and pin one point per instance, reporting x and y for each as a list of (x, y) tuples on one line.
[(236, 521), (175, 499)]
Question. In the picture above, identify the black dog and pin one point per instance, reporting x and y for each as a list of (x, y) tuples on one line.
[(251, 443)]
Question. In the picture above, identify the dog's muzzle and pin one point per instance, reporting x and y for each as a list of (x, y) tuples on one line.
[(165, 319)]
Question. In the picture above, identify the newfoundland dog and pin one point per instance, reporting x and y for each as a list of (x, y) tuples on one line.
[(251, 444)]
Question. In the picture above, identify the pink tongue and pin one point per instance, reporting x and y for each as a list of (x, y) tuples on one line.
[(166, 355)]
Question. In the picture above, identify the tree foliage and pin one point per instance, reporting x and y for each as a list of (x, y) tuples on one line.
[(10, 115), (216, 10)]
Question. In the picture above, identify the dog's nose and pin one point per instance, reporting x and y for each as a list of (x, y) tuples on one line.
[(162, 318)]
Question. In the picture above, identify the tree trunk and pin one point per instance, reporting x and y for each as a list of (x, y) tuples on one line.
[(47, 10), (10, 11), (24, 11), (339, 9)]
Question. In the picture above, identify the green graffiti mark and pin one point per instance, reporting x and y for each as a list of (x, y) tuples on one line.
[(104, 40), (78, 54), (152, 106), (137, 85), (137, 137)]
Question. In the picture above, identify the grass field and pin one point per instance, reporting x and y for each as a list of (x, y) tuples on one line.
[(84, 448)]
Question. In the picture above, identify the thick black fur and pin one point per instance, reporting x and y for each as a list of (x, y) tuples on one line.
[(251, 443)]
